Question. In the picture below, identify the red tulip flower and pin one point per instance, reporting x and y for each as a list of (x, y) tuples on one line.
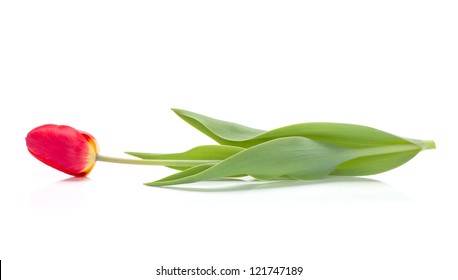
[(64, 148)]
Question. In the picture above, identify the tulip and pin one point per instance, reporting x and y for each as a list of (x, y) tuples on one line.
[(66, 149), (75, 152), (304, 151)]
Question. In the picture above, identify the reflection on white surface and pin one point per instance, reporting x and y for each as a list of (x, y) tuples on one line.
[(331, 189), (61, 194), (71, 193)]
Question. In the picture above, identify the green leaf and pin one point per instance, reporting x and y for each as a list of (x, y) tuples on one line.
[(297, 158), (207, 152), (345, 135)]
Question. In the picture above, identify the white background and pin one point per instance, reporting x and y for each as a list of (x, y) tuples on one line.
[(115, 68)]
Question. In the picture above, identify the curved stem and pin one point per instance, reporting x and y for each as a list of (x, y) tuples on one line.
[(155, 162)]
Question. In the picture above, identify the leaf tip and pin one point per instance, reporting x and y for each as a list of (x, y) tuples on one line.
[(150, 184), (134, 154), (176, 110)]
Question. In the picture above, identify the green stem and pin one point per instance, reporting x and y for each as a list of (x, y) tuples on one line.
[(155, 162), (428, 144)]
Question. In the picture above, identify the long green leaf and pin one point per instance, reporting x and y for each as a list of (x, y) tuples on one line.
[(346, 135), (207, 152), (294, 157)]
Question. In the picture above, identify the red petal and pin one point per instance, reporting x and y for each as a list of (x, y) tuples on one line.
[(63, 148)]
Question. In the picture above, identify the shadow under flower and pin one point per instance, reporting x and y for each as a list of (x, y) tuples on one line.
[(332, 188), (57, 195)]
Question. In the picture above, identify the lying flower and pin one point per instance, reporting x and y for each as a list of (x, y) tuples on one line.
[(66, 149), (303, 151)]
